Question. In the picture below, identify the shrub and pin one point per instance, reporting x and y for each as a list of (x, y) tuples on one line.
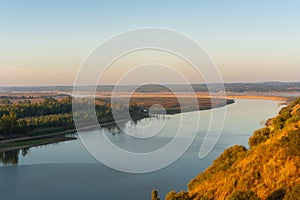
[(277, 194), (293, 119), (293, 194), (170, 195), (223, 162), (154, 195), (243, 195), (297, 113), (292, 142), (284, 114), (295, 102), (183, 195), (259, 136), (228, 158)]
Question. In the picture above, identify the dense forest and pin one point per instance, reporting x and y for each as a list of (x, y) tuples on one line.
[(23, 116), (18, 119), (269, 169), (26, 117)]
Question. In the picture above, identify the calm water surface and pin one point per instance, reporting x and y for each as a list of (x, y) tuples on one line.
[(67, 171)]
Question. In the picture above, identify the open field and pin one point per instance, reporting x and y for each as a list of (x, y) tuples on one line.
[(230, 95), (35, 97), (173, 105)]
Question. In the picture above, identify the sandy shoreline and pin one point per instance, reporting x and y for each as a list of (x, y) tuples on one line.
[(277, 96), (266, 96)]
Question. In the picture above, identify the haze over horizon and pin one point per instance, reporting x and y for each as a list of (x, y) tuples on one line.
[(44, 43)]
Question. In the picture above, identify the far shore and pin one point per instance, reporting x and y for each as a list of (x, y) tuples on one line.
[(60, 135), (274, 98), (277, 96), (229, 95)]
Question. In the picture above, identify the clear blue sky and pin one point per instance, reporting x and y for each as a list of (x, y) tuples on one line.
[(44, 42)]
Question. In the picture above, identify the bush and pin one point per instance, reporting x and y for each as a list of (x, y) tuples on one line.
[(259, 136), (222, 163), (171, 195), (154, 195), (228, 158), (293, 119), (183, 195), (292, 143), (284, 114), (243, 195), (277, 195), (297, 113), (293, 194), (295, 102)]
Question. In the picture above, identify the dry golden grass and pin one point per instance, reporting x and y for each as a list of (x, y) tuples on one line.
[(265, 168)]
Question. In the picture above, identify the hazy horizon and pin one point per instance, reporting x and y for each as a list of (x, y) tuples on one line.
[(169, 84)]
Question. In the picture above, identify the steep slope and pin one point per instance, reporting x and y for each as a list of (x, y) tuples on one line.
[(270, 169)]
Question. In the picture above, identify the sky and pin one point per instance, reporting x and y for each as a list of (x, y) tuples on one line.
[(46, 42)]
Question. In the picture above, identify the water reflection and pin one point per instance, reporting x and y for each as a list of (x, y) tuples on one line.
[(116, 129), (12, 157)]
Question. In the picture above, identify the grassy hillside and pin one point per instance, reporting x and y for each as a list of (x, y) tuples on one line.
[(270, 169)]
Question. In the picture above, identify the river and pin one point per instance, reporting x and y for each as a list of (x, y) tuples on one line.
[(67, 171)]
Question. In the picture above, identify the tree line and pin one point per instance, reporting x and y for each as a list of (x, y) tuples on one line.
[(21, 118), (25, 116), (47, 107)]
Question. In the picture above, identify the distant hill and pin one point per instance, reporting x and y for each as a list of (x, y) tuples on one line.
[(214, 87), (270, 169)]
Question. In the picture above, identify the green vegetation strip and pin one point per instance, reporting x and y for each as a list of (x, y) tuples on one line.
[(32, 143)]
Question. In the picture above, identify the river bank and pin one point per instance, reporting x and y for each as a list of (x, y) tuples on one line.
[(28, 143), (40, 136), (44, 136), (67, 165)]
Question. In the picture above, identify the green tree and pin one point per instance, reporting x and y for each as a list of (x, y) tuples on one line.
[(5, 101), (8, 123)]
